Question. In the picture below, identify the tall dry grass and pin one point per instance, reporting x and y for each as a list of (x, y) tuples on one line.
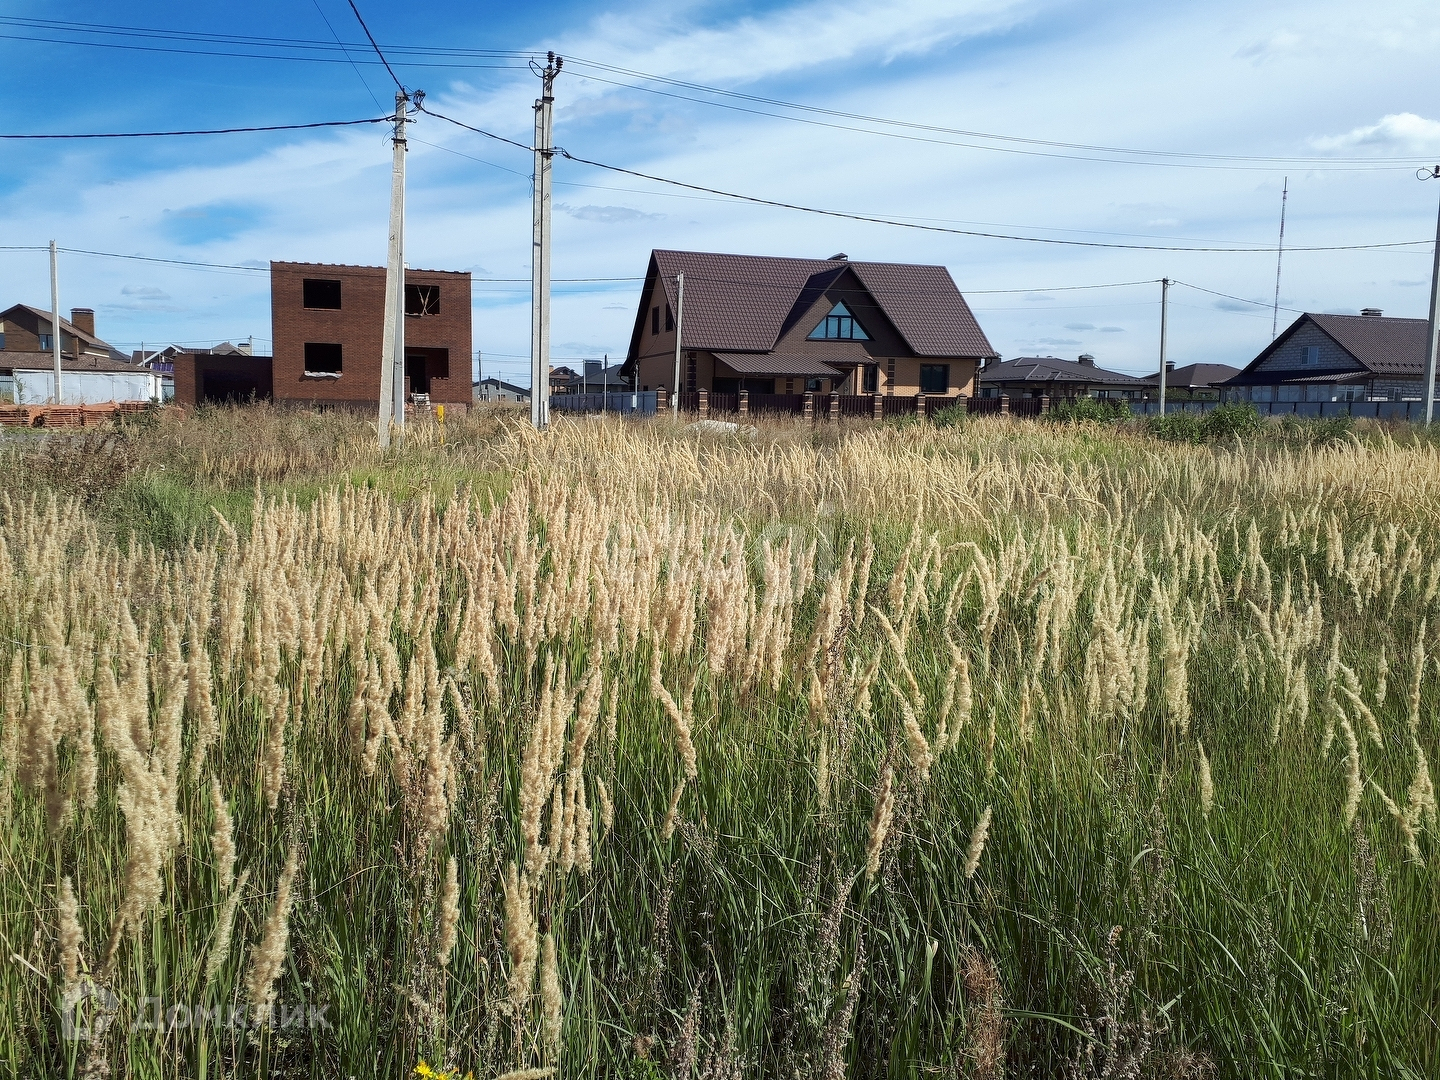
[(634, 748)]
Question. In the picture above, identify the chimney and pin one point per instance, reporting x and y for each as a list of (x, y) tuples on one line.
[(839, 256), (1087, 359), (1373, 312), (592, 367), (83, 318)]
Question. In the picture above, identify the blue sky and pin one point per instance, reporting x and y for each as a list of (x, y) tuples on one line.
[(1349, 89)]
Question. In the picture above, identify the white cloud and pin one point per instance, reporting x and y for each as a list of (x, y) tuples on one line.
[(608, 215), (1401, 132)]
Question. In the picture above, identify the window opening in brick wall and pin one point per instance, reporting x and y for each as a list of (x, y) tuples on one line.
[(321, 293), (1312, 355), (422, 299), (934, 378), (322, 359), (872, 378)]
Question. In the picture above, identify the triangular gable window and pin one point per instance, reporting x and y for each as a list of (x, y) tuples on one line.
[(839, 325)]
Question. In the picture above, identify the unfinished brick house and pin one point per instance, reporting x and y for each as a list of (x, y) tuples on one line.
[(327, 322), (790, 326)]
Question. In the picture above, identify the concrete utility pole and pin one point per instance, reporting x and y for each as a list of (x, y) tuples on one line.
[(540, 254), (1432, 338), (679, 330), (55, 321), (1164, 306), (392, 344)]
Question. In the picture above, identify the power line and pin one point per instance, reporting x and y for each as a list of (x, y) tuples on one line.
[(1238, 299), (1278, 160), (326, 20), (361, 19), (1127, 154), (253, 56), (894, 222), (207, 131), (1135, 157), (139, 258)]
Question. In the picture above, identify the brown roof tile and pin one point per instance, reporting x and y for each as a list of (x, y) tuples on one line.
[(776, 364), (739, 303), (44, 361), (1385, 346)]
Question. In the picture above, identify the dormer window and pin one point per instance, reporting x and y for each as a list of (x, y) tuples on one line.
[(839, 325)]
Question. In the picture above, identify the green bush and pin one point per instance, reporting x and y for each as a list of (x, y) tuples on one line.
[(952, 416), (1176, 427), (1231, 421), (1088, 410)]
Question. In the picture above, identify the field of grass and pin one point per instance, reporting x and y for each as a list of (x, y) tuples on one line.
[(995, 750)]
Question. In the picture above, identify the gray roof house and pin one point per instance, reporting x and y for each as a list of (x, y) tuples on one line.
[(1052, 377), (493, 389), (1196, 380), (1365, 357)]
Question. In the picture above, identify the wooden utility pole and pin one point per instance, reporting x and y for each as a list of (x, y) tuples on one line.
[(55, 322), (392, 344), (540, 253)]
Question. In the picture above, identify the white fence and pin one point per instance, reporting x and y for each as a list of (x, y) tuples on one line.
[(86, 387)]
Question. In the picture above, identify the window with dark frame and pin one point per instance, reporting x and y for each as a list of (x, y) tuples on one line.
[(321, 293), (669, 319), (872, 378), (422, 299), (322, 358), (839, 325), (654, 320), (934, 378)]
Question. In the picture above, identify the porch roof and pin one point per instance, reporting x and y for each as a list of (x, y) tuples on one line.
[(777, 364)]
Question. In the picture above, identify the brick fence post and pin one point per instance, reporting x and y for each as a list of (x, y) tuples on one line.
[(742, 403), (1004, 404), (662, 399), (1044, 404), (809, 405), (920, 406), (962, 402), (832, 407), (703, 406), (878, 402)]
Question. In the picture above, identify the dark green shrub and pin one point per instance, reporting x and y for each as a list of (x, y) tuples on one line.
[(1233, 421), (952, 416), (1176, 427), (1088, 410)]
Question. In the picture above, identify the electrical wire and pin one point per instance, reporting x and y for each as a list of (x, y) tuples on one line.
[(1276, 161), (897, 223), (326, 20), (207, 131), (361, 20), (1127, 155), (1238, 299), (1330, 164)]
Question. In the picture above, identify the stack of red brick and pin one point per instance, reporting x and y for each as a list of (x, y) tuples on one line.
[(66, 415)]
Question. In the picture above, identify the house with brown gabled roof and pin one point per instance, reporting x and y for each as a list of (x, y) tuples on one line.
[(1365, 357), (786, 326)]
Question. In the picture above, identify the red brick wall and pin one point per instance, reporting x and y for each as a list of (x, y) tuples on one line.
[(357, 327)]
